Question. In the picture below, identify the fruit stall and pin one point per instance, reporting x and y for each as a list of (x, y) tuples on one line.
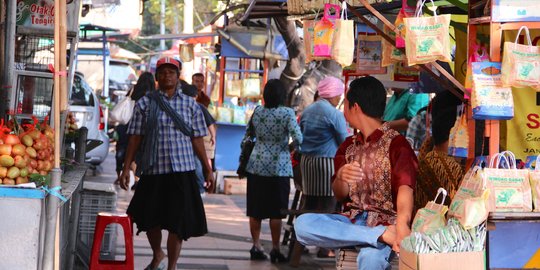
[(38, 197)]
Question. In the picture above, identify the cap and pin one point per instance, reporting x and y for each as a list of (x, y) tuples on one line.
[(167, 60)]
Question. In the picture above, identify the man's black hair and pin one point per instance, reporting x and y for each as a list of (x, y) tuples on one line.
[(274, 94), (370, 94), (443, 101), (441, 125), (197, 75), (189, 90)]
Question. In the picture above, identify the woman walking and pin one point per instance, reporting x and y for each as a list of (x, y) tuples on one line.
[(269, 167)]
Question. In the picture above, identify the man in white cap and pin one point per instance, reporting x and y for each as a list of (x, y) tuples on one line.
[(167, 130)]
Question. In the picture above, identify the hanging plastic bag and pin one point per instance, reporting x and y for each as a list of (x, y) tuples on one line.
[(475, 57), (427, 38), (186, 52), (251, 87), (521, 63), (324, 32), (458, 142), (535, 184), (239, 116), (431, 217), (510, 189), (369, 56), (309, 30), (400, 26), (470, 204), (343, 43), (490, 100), (225, 115)]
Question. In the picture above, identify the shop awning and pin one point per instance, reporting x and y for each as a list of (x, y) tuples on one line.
[(117, 52)]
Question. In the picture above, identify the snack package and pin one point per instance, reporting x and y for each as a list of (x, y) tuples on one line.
[(534, 177), (490, 100)]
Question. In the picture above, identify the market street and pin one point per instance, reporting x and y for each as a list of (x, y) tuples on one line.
[(227, 244)]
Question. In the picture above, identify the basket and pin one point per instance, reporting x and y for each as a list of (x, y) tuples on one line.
[(93, 202)]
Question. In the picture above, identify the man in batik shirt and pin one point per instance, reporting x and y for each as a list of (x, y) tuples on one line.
[(375, 178)]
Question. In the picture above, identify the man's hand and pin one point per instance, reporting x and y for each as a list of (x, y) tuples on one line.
[(209, 180), (124, 178), (213, 140), (403, 231), (351, 173)]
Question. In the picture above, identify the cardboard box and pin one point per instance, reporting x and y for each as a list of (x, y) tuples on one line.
[(234, 186), (442, 261)]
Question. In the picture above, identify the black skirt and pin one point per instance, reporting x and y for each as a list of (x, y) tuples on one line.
[(170, 202), (266, 196)]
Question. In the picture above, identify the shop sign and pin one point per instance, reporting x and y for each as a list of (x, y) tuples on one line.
[(515, 11), (39, 14)]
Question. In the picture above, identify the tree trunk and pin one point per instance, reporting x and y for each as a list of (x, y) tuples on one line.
[(300, 79)]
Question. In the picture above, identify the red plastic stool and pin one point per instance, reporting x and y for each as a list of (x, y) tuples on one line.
[(102, 220)]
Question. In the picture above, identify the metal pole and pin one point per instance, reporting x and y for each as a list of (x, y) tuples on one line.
[(52, 212), (9, 56), (80, 155), (187, 68), (162, 25)]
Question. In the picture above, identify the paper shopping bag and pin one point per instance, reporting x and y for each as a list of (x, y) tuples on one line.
[(431, 217), (521, 63), (534, 177), (251, 87), (470, 204), (233, 88), (490, 100), (475, 57), (458, 141), (510, 189), (343, 43), (427, 38)]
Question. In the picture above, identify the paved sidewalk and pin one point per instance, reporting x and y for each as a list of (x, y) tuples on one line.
[(227, 244)]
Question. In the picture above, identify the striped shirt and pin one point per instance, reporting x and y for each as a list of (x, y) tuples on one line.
[(175, 151)]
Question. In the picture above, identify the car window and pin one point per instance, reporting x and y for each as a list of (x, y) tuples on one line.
[(81, 93)]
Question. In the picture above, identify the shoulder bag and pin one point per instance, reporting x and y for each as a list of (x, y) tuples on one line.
[(246, 147)]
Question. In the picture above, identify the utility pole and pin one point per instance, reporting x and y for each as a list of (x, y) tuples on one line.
[(162, 25)]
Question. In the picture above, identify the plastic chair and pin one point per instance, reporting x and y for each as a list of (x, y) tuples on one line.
[(102, 220)]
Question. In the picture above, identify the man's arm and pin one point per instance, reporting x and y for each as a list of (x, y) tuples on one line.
[(198, 148), (405, 203), (132, 148), (399, 125), (212, 131)]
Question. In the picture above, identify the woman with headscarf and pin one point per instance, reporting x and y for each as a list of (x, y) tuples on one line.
[(324, 129)]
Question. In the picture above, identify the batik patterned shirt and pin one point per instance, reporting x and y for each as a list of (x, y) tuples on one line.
[(273, 128)]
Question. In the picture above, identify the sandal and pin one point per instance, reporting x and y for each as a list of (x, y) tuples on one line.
[(161, 266)]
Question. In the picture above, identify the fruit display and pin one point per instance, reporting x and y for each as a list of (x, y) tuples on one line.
[(25, 151), (71, 123)]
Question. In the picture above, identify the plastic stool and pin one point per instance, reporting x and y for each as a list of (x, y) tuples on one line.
[(102, 220)]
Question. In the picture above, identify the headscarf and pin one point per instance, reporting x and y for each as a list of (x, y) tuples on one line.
[(330, 87)]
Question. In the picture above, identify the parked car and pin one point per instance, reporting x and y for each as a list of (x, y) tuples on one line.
[(86, 108)]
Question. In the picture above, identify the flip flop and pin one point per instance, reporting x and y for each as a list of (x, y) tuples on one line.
[(161, 266)]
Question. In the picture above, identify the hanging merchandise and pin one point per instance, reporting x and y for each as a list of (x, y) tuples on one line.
[(400, 26), (123, 110), (470, 203), (490, 100), (324, 32), (309, 29), (404, 73), (521, 63), (239, 115), (224, 115), (343, 43), (390, 53), (458, 142), (535, 184), (251, 87), (475, 57), (431, 217), (186, 52), (233, 88), (427, 38), (369, 55), (510, 190)]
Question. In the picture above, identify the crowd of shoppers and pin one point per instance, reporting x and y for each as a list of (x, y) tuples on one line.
[(374, 174)]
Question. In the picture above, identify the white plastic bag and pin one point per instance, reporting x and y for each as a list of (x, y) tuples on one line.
[(123, 110)]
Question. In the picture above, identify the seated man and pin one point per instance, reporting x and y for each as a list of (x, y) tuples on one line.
[(375, 176)]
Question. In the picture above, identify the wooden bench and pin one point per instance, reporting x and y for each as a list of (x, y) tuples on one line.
[(346, 259)]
